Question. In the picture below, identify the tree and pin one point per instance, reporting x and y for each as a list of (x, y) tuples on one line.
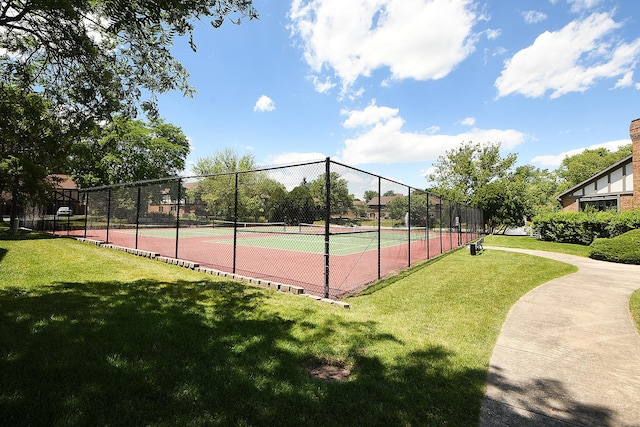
[(33, 146), (579, 167), (264, 201), (128, 150), (540, 187), (94, 58), (370, 194), (462, 173), (339, 198), (399, 207), (219, 188), (299, 206), (476, 174)]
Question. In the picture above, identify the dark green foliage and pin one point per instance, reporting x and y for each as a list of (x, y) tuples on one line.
[(584, 227), (623, 249), (126, 150), (94, 58)]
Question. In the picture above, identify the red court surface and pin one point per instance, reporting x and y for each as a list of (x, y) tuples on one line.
[(348, 274)]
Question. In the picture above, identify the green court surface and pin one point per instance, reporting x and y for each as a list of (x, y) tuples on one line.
[(292, 239)]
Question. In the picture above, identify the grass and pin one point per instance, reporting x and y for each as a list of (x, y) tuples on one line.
[(92, 336), (634, 308), (525, 242)]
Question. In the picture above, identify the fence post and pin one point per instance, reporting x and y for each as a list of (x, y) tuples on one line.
[(108, 213), (440, 222), (409, 228), (327, 220), (86, 212), (178, 214), (55, 211), (235, 224), (137, 216), (379, 228), (428, 235)]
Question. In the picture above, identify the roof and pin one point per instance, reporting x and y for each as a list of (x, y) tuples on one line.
[(383, 201), (597, 176), (62, 182)]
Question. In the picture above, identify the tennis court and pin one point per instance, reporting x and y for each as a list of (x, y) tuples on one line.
[(300, 238), (292, 257), (187, 218)]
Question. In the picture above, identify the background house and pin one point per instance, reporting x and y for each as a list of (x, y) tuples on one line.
[(379, 204), (611, 188)]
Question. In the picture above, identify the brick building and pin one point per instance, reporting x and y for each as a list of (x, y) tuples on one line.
[(611, 188)]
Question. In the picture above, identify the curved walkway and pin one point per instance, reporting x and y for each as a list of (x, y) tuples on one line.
[(568, 353)]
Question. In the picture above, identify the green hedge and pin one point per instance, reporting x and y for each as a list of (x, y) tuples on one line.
[(584, 227), (623, 249)]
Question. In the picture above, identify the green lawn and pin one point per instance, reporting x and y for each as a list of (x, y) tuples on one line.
[(634, 308), (525, 242), (91, 336)]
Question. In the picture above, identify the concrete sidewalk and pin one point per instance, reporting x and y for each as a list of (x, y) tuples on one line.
[(568, 353)]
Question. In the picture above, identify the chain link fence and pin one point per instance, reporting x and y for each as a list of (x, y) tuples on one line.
[(324, 226)]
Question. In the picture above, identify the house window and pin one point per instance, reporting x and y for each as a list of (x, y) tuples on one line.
[(599, 205)]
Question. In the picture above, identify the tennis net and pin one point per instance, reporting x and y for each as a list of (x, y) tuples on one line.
[(262, 227)]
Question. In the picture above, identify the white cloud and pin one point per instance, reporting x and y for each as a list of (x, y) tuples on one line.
[(292, 177), (556, 159), (414, 39), (625, 81), (572, 59), (468, 121), (382, 139), (372, 114), (582, 5), (264, 103), (322, 86), (493, 34), (295, 158), (533, 16)]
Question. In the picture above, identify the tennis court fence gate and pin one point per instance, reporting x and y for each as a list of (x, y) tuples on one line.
[(326, 227)]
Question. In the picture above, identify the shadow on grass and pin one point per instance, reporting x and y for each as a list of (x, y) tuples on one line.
[(206, 353), (540, 402), (24, 235)]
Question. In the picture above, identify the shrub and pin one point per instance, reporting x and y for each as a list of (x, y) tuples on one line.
[(584, 227), (624, 222), (623, 249), (572, 227)]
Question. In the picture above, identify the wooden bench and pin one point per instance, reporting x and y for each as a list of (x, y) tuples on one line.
[(477, 246)]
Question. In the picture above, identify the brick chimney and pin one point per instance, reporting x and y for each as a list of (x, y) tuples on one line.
[(634, 133)]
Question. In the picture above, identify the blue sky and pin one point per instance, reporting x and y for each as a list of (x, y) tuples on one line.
[(387, 86)]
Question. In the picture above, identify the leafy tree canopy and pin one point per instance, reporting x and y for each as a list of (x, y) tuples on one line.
[(96, 57), (370, 194), (339, 197), (128, 150), (31, 148), (476, 174), (579, 167), (460, 174)]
